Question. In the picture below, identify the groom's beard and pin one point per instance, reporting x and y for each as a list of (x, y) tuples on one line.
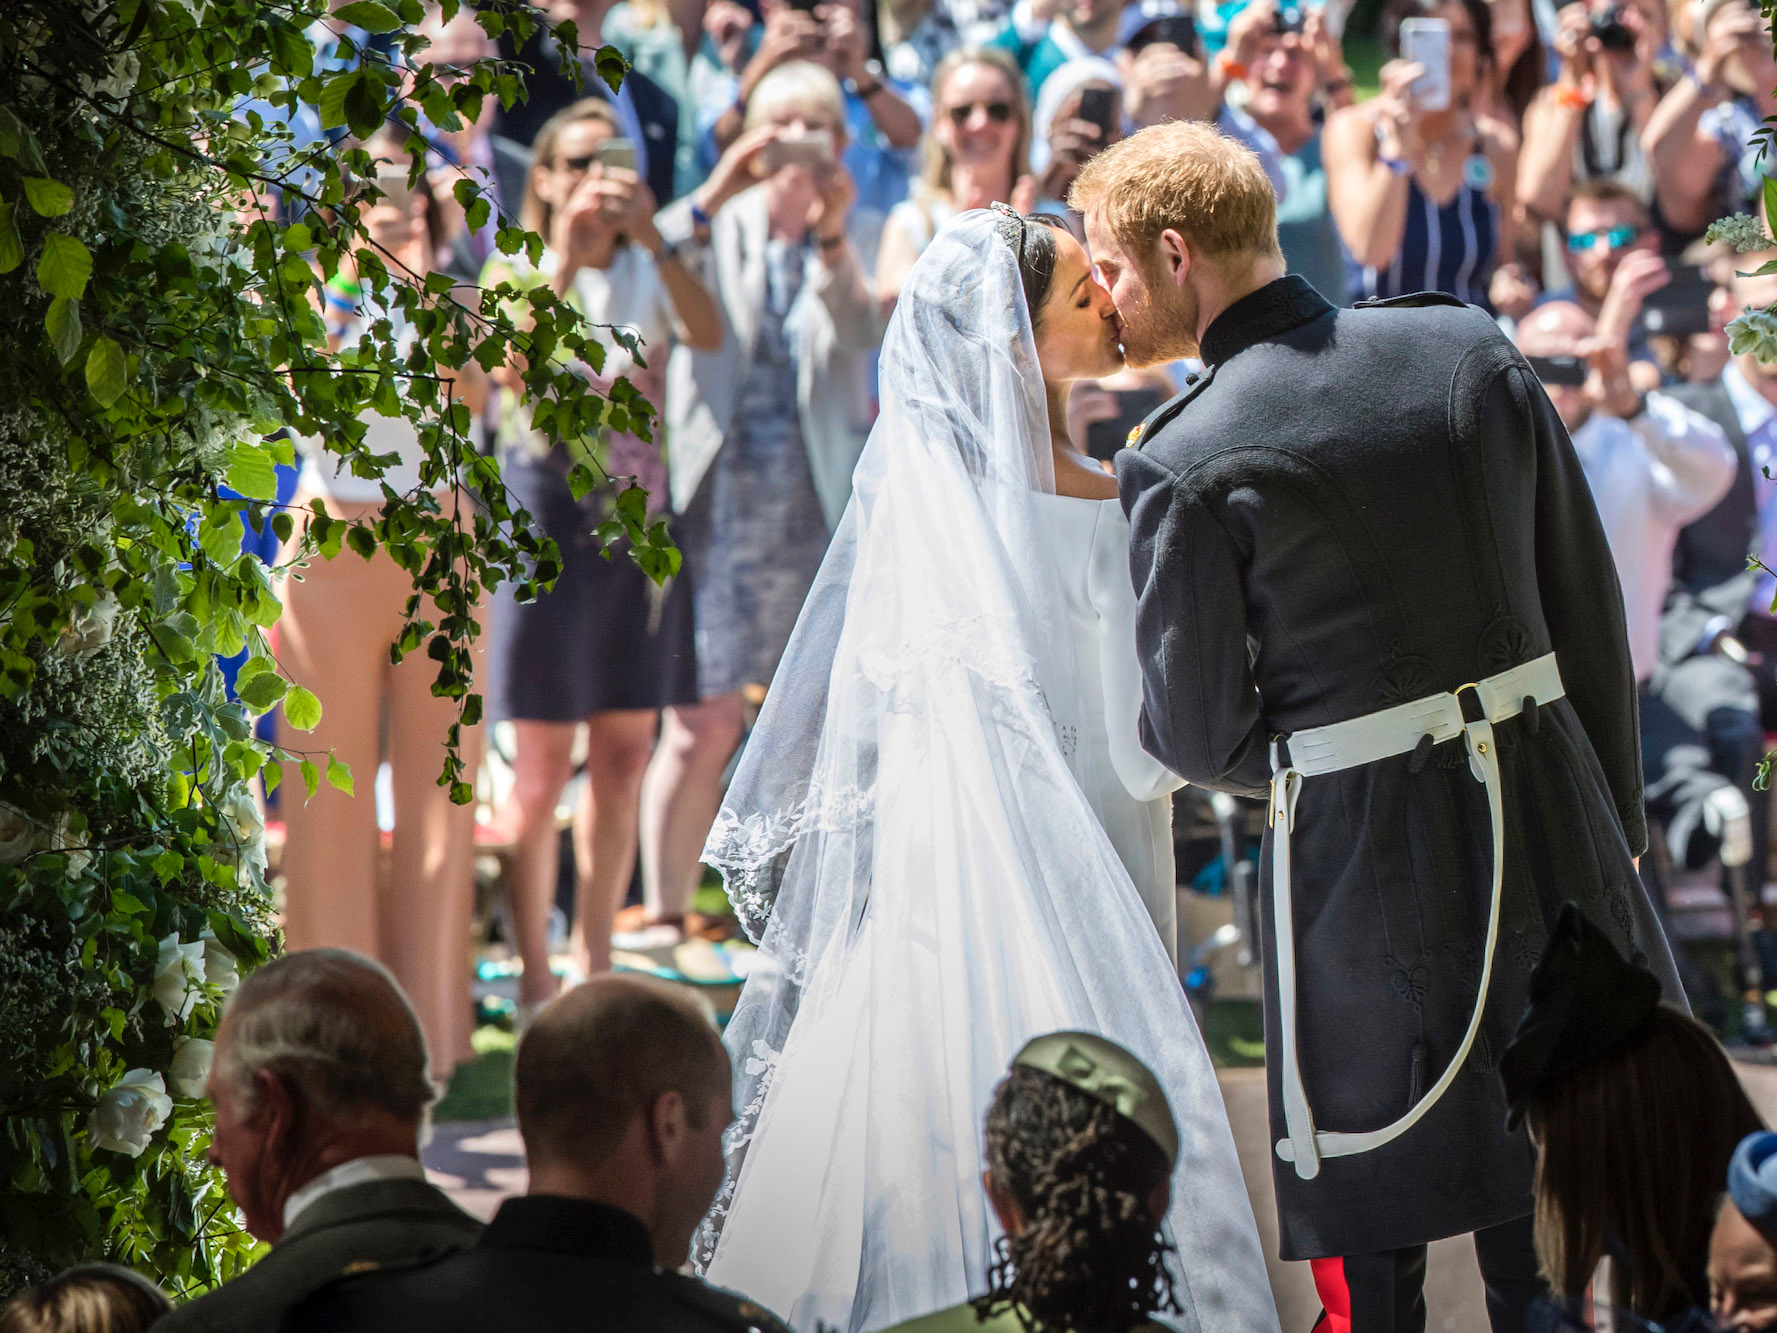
[(1163, 328)]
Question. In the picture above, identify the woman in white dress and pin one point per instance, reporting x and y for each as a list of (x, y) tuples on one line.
[(913, 836)]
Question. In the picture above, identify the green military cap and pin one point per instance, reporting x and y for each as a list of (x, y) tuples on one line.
[(1098, 1066)]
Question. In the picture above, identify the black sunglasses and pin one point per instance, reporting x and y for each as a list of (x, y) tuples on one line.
[(582, 163), (998, 112)]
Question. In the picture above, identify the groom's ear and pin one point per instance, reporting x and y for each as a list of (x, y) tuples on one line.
[(1175, 256)]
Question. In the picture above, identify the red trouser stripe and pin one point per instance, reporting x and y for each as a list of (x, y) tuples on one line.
[(1335, 1294)]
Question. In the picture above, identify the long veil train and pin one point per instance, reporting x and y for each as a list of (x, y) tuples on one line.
[(908, 842)]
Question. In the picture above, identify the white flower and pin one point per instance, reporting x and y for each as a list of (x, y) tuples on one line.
[(190, 1069), (90, 630), (20, 835), (220, 968), (179, 977), (129, 1113), (245, 827), (1754, 331)]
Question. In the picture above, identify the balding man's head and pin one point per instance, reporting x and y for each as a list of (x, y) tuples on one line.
[(1554, 329), (1554, 337), (602, 1054), (335, 1024), (623, 1094), (319, 1061)]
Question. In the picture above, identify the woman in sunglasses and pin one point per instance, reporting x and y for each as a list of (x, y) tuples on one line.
[(975, 154)]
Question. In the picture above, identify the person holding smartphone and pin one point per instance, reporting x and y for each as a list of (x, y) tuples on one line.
[(1079, 113), (883, 117), (765, 430), (1419, 179), (606, 649)]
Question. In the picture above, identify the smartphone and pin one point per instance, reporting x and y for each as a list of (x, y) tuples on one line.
[(1134, 406), (1178, 29), (616, 153), (1681, 307), (1427, 42), (1289, 18), (811, 149), (1099, 105), (1559, 372)]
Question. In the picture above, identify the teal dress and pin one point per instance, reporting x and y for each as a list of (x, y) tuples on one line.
[(1305, 229)]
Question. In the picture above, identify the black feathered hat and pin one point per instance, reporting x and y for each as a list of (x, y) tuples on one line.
[(1586, 1003)]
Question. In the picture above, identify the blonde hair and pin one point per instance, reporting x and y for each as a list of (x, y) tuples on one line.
[(935, 169), (1187, 176), (536, 213), (93, 1298), (798, 86)]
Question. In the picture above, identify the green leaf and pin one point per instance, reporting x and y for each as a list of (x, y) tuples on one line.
[(1770, 202), (282, 526), (298, 237), (105, 371), (311, 777), (12, 249), (250, 471), (64, 267), (364, 107), (63, 323), (301, 709), (272, 775), (361, 540), (332, 102), (49, 199), (611, 66), (370, 15), (291, 50), (340, 775), (263, 691)]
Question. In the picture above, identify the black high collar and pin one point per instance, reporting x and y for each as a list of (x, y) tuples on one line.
[(1273, 309), (561, 1225)]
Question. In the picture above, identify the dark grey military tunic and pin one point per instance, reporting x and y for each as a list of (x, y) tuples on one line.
[(545, 1264), (1352, 509)]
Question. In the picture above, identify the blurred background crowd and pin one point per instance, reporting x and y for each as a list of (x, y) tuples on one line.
[(750, 204)]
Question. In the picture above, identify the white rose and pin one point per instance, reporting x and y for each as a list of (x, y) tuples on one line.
[(129, 1113), (190, 1069), (20, 835), (221, 970), (179, 977), (91, 629), (243, 823)]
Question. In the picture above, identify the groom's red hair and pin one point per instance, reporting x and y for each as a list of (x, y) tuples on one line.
[(1187, 176)]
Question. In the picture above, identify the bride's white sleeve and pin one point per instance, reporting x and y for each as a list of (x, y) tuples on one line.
[(1113, 598)]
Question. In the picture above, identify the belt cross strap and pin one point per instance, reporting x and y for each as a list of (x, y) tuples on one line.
[(1365, 740)]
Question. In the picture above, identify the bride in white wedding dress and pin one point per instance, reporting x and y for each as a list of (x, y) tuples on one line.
[(917, 833)]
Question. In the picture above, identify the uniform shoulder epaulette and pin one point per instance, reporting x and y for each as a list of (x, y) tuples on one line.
[(724, 1306), (1169, 409), (1410, 299), (352, 1275)]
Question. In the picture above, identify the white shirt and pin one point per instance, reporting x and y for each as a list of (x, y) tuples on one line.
[(1649, 478), (358, 1171)]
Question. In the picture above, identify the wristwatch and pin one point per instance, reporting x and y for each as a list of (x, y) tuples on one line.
[(871, 83)]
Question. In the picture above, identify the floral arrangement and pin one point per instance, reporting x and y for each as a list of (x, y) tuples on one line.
[(163, 243)]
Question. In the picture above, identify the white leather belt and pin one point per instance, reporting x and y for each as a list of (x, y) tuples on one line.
[(1364, 740)]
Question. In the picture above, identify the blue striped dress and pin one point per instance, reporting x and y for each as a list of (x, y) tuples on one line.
[(1449, 249)]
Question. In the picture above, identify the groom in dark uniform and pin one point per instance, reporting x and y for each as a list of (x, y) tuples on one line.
[(1373, 589)]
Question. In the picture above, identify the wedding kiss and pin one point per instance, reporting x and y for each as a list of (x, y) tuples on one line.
[(950, 829)]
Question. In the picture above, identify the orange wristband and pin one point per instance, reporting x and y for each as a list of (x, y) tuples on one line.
[(1230, 67), (1573, 99)]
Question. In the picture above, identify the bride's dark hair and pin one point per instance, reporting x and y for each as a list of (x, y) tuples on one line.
[(1090, 1257), (1032, 240)]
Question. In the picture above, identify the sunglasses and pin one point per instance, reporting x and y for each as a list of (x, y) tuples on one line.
[(998, 112), (582, 163), (1612, 238)]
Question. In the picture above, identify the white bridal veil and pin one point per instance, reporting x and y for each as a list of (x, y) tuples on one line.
[(908, 842)]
